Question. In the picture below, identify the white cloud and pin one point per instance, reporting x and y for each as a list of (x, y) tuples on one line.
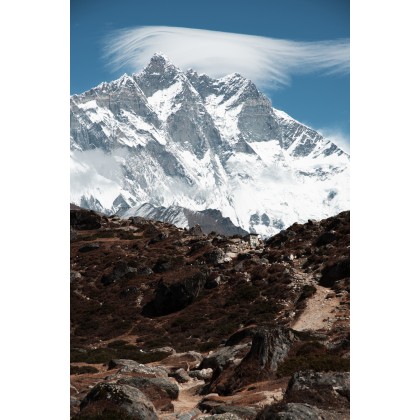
[(337, 136), (266, 61)]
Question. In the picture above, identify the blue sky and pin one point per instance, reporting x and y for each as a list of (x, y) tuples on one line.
[(318, 98)]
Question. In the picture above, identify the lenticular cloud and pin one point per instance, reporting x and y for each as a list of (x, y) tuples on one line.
[(266, 61)]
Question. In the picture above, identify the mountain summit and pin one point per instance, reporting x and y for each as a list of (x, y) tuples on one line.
[(181, 144)]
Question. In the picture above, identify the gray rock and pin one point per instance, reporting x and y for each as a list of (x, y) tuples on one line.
[(223, 357), (181, 376), (127, 366), (124, 398), (336, 381), (143, 384), (188, 360), (201, 374), (166, 349)]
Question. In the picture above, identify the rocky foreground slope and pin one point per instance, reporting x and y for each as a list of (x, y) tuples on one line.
[(171, 323)]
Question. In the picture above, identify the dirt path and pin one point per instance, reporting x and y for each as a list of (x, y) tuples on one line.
[(187, 399), (319, 312)]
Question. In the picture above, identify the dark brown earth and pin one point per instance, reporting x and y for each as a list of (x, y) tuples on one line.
[(265, 314)]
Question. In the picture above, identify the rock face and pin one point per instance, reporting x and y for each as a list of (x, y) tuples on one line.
[(123, 400), (198, 150)]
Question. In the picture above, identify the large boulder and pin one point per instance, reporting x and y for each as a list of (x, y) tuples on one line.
[(160, 391), (120, 401), (170, 389), (173, 297)]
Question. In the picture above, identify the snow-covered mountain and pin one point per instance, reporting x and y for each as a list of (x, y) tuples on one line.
[(183, 141)]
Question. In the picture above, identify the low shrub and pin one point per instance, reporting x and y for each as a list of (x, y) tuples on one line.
[(104, 355), (80, 370), (316, 362)]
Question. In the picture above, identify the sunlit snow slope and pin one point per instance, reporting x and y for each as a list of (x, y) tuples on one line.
[(182, 140)]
